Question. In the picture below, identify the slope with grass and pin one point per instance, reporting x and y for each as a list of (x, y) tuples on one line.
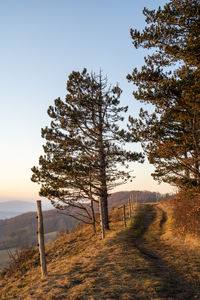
[(146, 260), (22, 230)]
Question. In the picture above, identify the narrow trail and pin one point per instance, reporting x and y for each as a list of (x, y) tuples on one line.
[(133, 263), (176, 281)]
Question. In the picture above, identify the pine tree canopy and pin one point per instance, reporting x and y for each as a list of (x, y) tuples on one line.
[(85, 146), (170, 81)]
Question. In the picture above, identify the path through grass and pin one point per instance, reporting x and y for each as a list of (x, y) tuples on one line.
[(131, 263)]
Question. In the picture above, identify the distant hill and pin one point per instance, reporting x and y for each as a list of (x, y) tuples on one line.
[(22, 229), (147, 260), (9, 209), (120, 198)]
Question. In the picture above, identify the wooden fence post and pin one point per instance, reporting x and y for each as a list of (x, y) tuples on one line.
[(129, 202), (101, 219), (124, 215), (132, 201), (136, 199), (41, 239)]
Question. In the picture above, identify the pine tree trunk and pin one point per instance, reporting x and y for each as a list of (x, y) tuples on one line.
[(101, 220), (92, 203), (104, 194), (102, 165), (93, 216), (196, 145), (104, 199)]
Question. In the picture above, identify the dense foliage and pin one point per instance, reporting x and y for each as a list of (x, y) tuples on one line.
[(84, 147), (170, 81)]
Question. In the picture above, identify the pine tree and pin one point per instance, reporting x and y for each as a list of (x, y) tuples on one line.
[(84, 147), (170, 81)]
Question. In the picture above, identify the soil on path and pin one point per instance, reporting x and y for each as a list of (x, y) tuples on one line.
[(177, 267), (133, 263)]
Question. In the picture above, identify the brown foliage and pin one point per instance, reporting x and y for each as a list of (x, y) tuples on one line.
[(186, 212), (20, 261)]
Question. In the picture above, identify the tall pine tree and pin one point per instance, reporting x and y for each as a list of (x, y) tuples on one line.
[(170, 81), (84, 147)]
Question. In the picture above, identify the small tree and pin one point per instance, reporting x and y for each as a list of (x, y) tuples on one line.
[(84, 147), (170, 81)]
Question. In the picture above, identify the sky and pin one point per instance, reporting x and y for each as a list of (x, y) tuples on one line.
[(42, 42)]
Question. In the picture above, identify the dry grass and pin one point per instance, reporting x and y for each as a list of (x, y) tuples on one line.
[(186, 212), (138, 262), (4, 257), (20, 260)]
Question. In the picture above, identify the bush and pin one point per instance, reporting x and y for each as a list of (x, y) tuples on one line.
[(186, 212), (20, 261)]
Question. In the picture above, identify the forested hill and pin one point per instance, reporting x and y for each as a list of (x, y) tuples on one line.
[(22, 229), (138, 196)]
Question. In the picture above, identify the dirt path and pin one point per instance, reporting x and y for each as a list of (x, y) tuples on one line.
[(174, 267), (132, 263)]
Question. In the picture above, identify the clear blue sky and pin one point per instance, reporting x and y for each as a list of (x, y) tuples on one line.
[(41, 43)]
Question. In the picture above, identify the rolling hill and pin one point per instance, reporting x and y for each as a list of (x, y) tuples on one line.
[(22, 229), (145, 260)]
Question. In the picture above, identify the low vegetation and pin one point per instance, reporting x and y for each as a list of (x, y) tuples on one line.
[(157, 256), (146, 260), (4, 257), (20, 261), (22, 230), (186, 212)]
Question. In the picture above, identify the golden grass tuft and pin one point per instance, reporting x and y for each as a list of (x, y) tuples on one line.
[(137, 262)]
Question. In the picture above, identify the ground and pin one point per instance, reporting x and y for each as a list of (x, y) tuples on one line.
[(142, 261)]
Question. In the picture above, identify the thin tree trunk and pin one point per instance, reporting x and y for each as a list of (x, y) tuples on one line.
[(196, 146), (187, 172), (105, 208), (93, 216), (101, 219), (41, 239), (92, 204), (102, 162)]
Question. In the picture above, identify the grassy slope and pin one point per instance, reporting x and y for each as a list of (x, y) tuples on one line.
[(143, 261), (4, 254), (4, 257)]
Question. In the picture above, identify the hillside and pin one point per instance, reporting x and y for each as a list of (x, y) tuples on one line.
[(120, 198), (146, 260), (21, 230)]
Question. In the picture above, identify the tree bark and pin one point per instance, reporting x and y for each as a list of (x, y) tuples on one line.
[(93, 216), (41, 239), (102, 219), (102, 163), (92, 205)]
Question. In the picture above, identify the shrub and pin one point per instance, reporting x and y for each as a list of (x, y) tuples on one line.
[(186, 212), (20, 261)]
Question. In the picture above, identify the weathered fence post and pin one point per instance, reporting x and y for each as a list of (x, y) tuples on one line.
[(124, 215), (129, 202), (156, 197), (101, 219), (132, 206), (41, 239)]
